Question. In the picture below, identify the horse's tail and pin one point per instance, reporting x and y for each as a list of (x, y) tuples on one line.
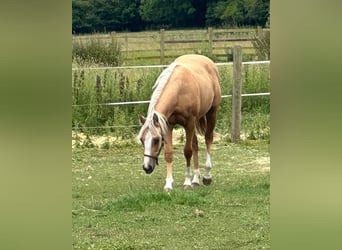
[(201, 125)]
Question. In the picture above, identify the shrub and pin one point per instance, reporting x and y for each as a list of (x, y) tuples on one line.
[(96, 52), (261, 44)]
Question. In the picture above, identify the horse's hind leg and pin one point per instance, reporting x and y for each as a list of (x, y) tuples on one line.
[(189, 131), (196, 177), (209, 136)]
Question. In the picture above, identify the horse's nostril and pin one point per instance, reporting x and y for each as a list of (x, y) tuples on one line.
[(148, 170)]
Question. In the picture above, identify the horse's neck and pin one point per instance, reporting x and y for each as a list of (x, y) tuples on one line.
[(166, 103)]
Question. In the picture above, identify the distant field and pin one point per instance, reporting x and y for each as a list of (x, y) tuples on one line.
[(117, 206), (140, 47)]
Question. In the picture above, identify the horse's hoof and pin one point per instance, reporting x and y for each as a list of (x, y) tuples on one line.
[(186, 187), (195, 184), (206, 181), (167, 190)]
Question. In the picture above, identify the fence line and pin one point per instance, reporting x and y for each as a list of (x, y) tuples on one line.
[(158, 43), (164, 66), (143, 102)]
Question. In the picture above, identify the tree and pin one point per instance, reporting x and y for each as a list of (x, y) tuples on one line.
[(82, 17), (176, 13), (237, 12), (117, 15), (233, 13), (257, 12), (133, 15)]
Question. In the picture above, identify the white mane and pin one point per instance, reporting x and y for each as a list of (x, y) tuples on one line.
[(158, 88)]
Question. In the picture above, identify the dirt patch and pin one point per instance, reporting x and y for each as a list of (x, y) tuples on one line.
[(81, 139), (263, 163)]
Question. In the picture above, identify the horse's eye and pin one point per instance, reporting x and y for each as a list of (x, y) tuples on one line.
[(156, 141)]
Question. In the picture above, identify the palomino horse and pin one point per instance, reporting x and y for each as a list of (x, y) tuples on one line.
[(187, 93)]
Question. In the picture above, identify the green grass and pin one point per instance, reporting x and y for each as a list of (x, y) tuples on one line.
[(117, 206)]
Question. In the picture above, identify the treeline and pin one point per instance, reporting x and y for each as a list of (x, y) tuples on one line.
[(134, 15)]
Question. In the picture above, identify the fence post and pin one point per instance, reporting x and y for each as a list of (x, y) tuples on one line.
[(113, 37), (236, 97), (126, 42), (162, 46), (260, 32)]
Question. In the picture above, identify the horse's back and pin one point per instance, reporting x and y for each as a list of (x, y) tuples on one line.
[(205, 74)]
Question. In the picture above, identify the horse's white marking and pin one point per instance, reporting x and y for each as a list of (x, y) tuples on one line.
[(168, 183), (197, 175), (208, 167), (148, 143), (187, 181)]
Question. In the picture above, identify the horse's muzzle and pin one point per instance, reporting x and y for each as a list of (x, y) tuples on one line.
[(149, 169)]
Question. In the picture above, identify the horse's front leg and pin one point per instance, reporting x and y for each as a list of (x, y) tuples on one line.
[(168, 158), (196, 178), (189, 131)]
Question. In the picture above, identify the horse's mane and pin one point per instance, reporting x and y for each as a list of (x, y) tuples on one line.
[(158, 88)]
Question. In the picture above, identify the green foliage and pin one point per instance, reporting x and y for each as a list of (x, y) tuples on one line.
[(95, 52), (234, 13), (256, 79), (94, 87), (105, 15), (108, 15), (262, 45), (163, 13)]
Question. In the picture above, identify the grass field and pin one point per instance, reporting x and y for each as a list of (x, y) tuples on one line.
[(117, 206)]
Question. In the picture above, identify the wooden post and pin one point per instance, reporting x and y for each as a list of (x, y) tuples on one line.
[(162, 46), (126, 42), (229, 54), (236, 97), (260, 32), (210, 40), (113, 37)]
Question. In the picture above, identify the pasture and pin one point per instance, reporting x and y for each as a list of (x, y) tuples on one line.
[(117, 206)]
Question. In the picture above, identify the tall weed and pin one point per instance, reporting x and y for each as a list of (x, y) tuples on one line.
[(262, 44), (96, 52), (93, 88)]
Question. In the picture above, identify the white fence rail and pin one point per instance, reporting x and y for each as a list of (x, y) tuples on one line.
[(160, 66)]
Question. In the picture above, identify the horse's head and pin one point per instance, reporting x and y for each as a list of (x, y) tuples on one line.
[(151, 137)]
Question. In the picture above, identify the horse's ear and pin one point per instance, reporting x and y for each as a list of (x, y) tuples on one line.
[(142, 119), (155, 120)]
